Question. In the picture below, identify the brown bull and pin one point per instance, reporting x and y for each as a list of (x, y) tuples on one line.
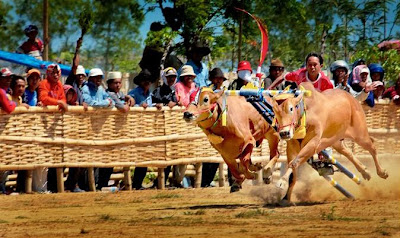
[(331, 116), (245, 128)]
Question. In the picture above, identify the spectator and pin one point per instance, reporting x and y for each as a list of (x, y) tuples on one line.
[(17, 86), (186, 86), (218, 79), (93, 92), (340, 70), (312, 73), (70, 95), (31, 94), (122, 102), (355, 64), (394, 92), (165, 93), (244, 72), (51, 92), (77, 76), (276, 69), (6, 104), (33, 46), (195, 55), (377, 75), (143, 98)]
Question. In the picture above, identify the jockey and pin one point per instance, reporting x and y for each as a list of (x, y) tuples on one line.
[(244, 72), (311, 73)]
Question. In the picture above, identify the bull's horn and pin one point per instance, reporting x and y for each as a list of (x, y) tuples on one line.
[(307, 93)]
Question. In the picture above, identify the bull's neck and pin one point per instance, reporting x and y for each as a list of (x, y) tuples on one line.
[(210, 122)]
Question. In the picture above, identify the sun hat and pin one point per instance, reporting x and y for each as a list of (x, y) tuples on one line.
[(217, 73), (95, 72), (144, 75), (80, 70), (187, 70)]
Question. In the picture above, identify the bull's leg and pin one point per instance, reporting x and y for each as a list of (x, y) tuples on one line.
[(367, 144), (273, 143), (245, 162), (340, 147), (238, 177)]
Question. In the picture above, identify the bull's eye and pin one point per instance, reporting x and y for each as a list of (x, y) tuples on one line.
[(205, 100), (291, 109)]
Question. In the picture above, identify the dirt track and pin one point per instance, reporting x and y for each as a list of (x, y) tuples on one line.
[(211, 212)]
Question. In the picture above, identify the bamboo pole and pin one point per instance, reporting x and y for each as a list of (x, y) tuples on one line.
[(161, 178), (127, 178), (221, 175), (66, 141), (28, 181), (197, 180), (91, 181), (60, 180)]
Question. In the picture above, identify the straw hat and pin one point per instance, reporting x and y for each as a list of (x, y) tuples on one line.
[(276, 63), (187, 70)]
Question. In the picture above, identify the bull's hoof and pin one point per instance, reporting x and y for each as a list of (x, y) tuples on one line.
[(286, 203), (267, 176), (235, 188), (255, 167), (383, 174)]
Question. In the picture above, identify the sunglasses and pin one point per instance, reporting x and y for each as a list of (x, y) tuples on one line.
[(278, 68)]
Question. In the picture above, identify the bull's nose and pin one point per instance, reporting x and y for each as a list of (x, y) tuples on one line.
[(284, 134), (187, 115)]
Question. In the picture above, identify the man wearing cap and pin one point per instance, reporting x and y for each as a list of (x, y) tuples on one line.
[(51, 91), (93, 92), (244, 76), (195, 55), (276, 69), (165, 93), (33, 46), (114, 83), (5, 80)]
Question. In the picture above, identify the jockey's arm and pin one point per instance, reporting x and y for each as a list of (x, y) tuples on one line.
[(277, 81)]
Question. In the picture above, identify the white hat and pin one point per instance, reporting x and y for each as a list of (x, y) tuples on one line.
[(80, 70), (114, 75), (95, 72), (187, 70), (364, 70), (169, 72)]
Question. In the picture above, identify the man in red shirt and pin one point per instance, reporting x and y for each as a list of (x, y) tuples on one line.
[(5, 79), (33, 46), (51, 91), (312, 73)]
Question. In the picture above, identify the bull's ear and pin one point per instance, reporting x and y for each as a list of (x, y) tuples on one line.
[(275, 106)]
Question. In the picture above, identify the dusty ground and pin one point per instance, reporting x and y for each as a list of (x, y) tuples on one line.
[(211, 212)]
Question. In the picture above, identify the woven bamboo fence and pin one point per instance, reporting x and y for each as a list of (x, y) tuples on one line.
[(44, 137)]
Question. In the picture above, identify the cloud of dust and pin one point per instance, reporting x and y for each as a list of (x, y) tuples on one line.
[(311, 187)]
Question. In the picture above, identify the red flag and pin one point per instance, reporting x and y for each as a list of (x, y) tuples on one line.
[(264, 37)]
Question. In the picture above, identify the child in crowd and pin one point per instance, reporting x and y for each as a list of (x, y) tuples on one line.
[(186, 86), (377, 75), (143, 98), (70, 95), (114, 83), (31, 94), (393, 92)]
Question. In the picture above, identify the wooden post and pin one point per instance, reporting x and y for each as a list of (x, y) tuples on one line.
[(92, 184), (127, 178), (46, 29), (260, 176), (221, 175), (60, 180), (197, 180), (161, 178), (28, 181)]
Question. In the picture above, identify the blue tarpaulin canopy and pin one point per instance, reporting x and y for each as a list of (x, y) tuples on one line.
[(32, 62)]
